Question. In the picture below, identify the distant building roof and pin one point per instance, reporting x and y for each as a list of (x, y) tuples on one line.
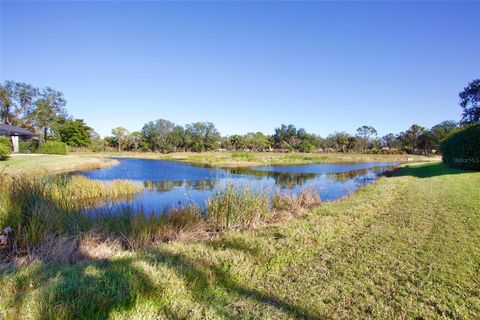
[(7, 130)]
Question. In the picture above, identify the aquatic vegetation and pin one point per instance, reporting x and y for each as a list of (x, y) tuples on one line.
[(233, 207), (38, 206)]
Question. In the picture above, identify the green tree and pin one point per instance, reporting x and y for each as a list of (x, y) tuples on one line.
[(338, 141), (365, 135), (441, 131), (470, 102), (25, 95), (136, 140), (120, 135), (97, 143), (202, 136), (76, 133), (256, 141), (49, 112), (157, 133), (6, 102), (285, 135), (388, 140), (177, 138), (410, 138), (427, 142), (238, 142)]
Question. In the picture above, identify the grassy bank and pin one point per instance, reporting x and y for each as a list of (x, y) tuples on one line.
[(404, 247), (51, 164), (245, 159), (40, 209)]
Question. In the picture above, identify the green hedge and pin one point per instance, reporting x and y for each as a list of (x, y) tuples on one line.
[(28, 146), (53, 147), (462, 149)]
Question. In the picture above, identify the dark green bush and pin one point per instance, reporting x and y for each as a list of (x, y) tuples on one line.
[(5, 151), (307, 147), (53, 147), (462, 149), (28, 147)]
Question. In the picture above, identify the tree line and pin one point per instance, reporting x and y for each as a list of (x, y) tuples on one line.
[(43, 111), (165, 136)]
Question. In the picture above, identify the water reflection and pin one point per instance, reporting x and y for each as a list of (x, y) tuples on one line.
[(284, 180), (170, 184), (165, 186)]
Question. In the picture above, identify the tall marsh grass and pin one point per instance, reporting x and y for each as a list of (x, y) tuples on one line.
[(234, 207), (294, 203), (39, 206), (137, 228), (40, 209)]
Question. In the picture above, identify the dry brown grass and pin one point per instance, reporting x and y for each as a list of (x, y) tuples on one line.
[(296, 203), (69, 249)]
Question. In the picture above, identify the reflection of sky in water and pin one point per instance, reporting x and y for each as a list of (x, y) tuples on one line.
[(169, 184)]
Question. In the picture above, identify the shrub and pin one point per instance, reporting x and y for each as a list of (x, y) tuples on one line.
[(6, 141), (307, 147), (5, 151), (5, 148), (53, 147), (462, 149), (28, 147)]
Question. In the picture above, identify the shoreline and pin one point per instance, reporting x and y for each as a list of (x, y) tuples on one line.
[(46, 164), (252, 159)]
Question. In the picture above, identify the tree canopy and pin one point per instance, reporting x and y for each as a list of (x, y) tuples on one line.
[(470, 102)]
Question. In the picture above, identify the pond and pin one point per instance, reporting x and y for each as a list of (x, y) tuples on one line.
[(170, 184)]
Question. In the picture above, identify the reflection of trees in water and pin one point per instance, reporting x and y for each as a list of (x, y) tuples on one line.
[(288, 180), (284, 180), (291, 180), (347, 175), (168, 185), (92, 205), (207, 184), (360, 174)]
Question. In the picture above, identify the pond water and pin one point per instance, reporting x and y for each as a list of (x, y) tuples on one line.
[(171, 184)]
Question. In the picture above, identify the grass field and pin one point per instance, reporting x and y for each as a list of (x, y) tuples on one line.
[(51, 164), (243, 159), (404, 247)]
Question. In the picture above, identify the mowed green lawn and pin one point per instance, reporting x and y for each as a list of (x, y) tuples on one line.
[(405, 247)]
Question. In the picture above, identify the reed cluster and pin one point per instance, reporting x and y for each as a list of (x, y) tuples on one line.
[(234, 207)]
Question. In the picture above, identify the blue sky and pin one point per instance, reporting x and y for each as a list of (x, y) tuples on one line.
[(247, 66)]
